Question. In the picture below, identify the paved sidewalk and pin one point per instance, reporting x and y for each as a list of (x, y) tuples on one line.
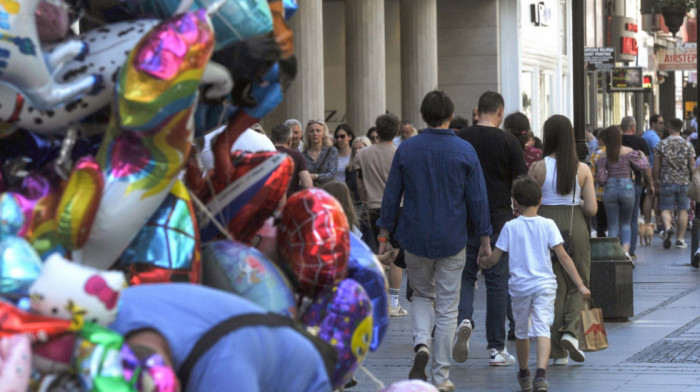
[(658, 349)]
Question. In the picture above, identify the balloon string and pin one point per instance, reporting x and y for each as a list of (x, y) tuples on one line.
[(209, 215), (371, 376)]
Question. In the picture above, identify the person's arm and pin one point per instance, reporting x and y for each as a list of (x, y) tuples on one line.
[(330, 166), (537, 172), (361, 190), (590, 204), (477, 197), (486, 262), (691, 168), (305, 179), (570, 269), (657, 168), (650, 183), (393, 191)]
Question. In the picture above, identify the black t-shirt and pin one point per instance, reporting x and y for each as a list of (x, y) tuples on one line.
[(299, 165), (502, 161), (636, 143)]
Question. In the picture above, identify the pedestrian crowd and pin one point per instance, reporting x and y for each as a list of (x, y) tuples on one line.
[(455, 200)]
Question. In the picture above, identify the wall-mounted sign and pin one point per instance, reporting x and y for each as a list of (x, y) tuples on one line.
[(621, 33), (626, 79), (677, 59), (540, 13), (599, 59)]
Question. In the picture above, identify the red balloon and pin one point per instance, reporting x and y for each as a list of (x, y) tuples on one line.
[(39, 328), (314, 239)]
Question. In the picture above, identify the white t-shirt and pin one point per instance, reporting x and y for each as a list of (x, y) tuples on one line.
[(340, 172), (528, 241), (249, 140)]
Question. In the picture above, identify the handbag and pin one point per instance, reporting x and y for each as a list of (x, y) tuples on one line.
[(694, 187), (595, 338), (601, 173)]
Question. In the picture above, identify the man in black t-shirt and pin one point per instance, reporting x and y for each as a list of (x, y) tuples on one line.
[(632, 140), (502, 161), (281, 136)]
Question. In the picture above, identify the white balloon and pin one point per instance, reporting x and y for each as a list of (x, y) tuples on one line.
[(109, 48), (24, 66)]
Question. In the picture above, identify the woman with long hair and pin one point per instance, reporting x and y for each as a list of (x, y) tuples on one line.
[(518, 124), (568, 197), (320, 155), (344, 137), (614, 173)]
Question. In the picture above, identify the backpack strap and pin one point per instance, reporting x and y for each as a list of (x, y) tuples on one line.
[(209, 339)]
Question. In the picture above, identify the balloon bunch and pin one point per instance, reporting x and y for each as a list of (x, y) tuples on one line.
[(98, 173)]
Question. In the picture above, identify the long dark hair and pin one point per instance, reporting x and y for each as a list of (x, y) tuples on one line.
[(558, 134), (613, 143)]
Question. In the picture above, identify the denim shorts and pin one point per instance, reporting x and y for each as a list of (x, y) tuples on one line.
[(674, 194)]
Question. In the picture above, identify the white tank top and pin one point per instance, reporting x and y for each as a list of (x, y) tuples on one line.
[(550, 197)]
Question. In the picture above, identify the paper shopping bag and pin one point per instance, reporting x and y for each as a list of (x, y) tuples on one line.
[(594, 336)]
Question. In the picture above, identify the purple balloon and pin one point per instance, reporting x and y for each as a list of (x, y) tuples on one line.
[(342, 315)]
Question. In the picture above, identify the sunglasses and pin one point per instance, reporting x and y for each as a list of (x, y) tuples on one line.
[(341, 137), (315, 122), (374, 137)]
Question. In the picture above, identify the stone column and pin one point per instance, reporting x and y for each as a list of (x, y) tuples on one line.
[(365, 75), (419, 65), (304, 100)]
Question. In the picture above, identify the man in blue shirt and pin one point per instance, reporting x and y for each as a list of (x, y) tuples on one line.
[(440, 179), (652, 136), (171, 318)]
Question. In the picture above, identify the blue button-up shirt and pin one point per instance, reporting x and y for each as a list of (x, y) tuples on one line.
[(439, 176)]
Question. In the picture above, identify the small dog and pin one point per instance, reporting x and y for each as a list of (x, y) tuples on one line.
[(646, 233)]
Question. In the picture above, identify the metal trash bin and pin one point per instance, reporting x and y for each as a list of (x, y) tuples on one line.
[(611, 279)]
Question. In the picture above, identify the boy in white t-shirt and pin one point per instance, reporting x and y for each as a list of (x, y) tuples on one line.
[(532, 284)]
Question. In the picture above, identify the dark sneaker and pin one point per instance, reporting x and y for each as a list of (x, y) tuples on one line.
[(419, 362), (511, 334), (696, 260), (680, 244), (525, 382), (541, 384), (666, 235)]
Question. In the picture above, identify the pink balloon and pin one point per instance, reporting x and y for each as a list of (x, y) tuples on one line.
[(410, 386), (52, 20), (15, 363)]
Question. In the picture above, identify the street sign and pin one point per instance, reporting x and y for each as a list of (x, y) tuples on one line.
[(672, 59), (599, 59), (626, 79)]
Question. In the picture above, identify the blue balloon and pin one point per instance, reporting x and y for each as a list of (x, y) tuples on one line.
[(364, 268), (290, 8), (11, 216), (237, 268), (20, 265)]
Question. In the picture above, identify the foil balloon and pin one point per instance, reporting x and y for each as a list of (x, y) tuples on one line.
[(79, 203), (97, 359), (54, 355), (52, 20), (76, 292), (290, 8), (11, 216), (342, 316), (150, 132), (20, 265), (28, 69), (365, 269), (109, 48), (313, 237), (410, 386), (236, 268), (166, 249), (14, 321), (15, 363), (148, 374), (236, 20), (249, 194)]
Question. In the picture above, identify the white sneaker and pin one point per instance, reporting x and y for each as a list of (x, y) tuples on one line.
[(570, 344), (460, 348), (500, 358), (398, 311), (560, 361)]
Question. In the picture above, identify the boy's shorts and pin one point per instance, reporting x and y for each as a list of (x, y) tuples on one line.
[(674, 194), (534, 314)]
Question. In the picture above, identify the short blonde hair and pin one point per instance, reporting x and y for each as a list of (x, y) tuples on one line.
[(327, 142), (365, 140)]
